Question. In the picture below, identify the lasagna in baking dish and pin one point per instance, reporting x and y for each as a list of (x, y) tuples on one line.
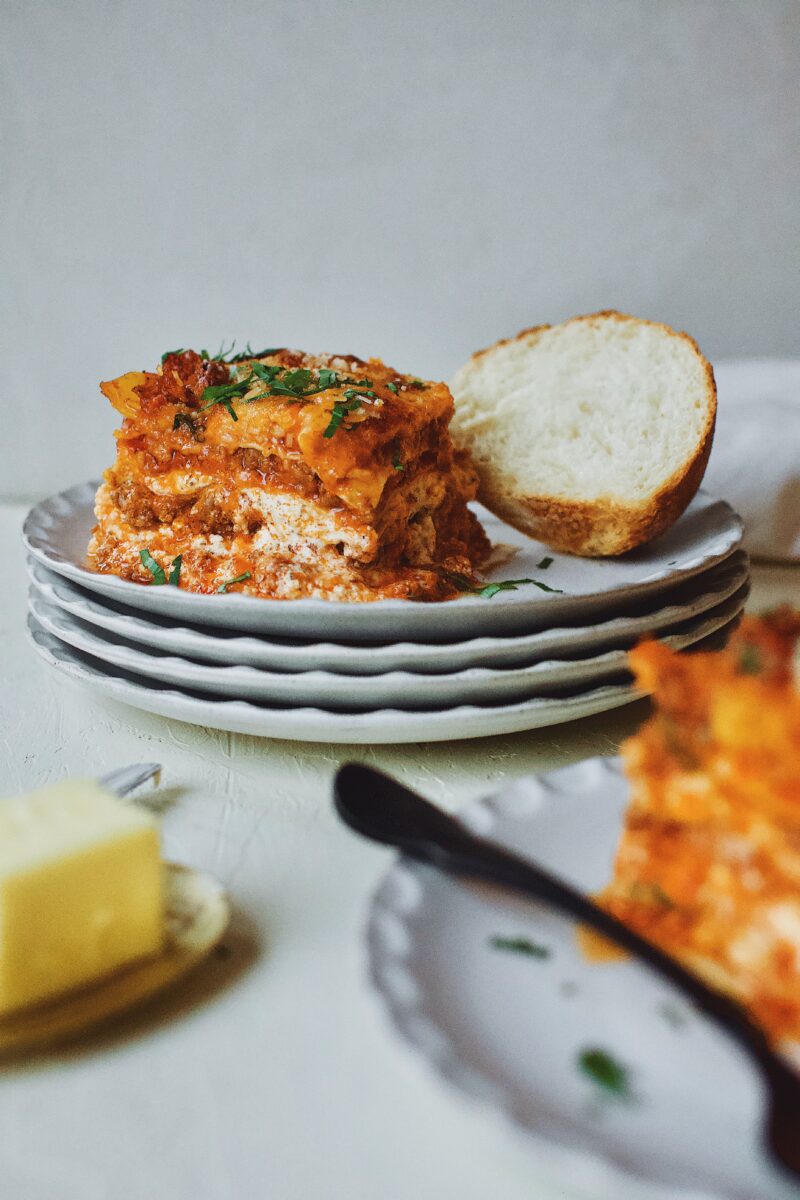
[(709, 862), (285, 475)]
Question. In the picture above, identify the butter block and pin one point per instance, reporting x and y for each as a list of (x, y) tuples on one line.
[(81, 890)]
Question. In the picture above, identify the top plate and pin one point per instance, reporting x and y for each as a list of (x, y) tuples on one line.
[(57, 532)]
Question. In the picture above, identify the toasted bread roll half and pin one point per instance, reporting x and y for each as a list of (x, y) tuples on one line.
[(592, 435)]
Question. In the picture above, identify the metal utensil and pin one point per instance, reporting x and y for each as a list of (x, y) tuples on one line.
[(380, 808), (126, 779)]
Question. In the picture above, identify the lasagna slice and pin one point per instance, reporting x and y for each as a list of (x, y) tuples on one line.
[(709, 862), (285, 475)]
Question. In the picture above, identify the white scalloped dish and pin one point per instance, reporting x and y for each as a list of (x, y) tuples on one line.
[(384, 726), (695, 597), (404, 689), (57, 532), (513, 1029)]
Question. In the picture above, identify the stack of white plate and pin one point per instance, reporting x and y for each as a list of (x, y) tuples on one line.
[(391, 671)]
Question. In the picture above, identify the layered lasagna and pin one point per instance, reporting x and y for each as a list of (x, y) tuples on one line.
[(285, 475), (709, 862)]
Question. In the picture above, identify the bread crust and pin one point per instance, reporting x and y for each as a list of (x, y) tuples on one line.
[(604, 527)]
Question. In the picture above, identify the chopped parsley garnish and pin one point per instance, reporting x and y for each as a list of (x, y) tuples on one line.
[(182, 418), (417, 384), (227, 356), (175, 570), (248, 353), (392, 387), (223, 587), (606, 1071), (298, 380), (327, 379), (168, 353), (341, 409), (520, 945), (222, 353), (750, 660), (511, 586), (297, 385), (397, 463), (159, 576), (225, 394), (487, 590), (544, 564), (152, 566), (266, 372)]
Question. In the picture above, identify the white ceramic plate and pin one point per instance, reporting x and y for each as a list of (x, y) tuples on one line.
[(509, 1029), (402, 689), (703, 592), (381, 727), (57, 533)]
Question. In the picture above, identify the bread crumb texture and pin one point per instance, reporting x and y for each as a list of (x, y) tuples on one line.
[(593, 435)]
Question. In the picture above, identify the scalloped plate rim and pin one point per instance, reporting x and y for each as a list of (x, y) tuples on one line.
[(136, 626), (428, 1038), (334, 688), (380, 726), (361, 620)]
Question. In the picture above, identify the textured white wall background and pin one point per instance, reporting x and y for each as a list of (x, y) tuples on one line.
[(411, 180)]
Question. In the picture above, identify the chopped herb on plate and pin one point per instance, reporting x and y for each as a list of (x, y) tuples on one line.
[(152, 566), (519, 945), (545, 563), (175, 570), (487, 590), (223, 587), (157, 571), (606, 1072)]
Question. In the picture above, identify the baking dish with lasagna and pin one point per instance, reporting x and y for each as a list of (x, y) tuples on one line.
[(285, 475)]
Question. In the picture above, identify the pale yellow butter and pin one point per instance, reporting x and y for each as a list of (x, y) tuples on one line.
[(81, 890)]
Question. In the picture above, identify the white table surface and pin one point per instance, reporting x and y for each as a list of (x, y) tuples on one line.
[(274, 1074)]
